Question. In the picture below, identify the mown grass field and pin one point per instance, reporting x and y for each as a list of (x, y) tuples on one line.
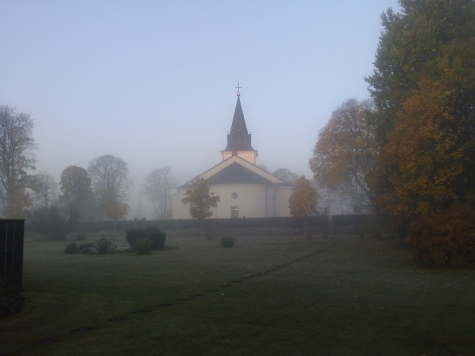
[(270, 295)]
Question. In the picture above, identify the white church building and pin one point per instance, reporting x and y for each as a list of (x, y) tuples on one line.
[(244, 189)]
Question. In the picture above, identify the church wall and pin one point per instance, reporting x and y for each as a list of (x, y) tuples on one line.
[(281, 205), (180, 210), (270, 201), (250, 200), (254, 201)]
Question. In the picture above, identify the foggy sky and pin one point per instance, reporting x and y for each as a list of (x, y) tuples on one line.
[(153, 82)]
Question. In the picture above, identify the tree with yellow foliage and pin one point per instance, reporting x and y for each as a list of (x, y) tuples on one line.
[(200, 199), (423, 86), (344, 155), (303, 200)]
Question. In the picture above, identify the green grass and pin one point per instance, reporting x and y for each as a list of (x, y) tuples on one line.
[(270, 295)]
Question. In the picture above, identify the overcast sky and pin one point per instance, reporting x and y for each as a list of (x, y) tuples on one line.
[(153, 82)]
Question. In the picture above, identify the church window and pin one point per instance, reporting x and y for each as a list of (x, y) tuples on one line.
[(234, 195)]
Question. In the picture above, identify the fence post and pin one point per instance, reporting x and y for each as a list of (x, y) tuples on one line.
[(11, 251)]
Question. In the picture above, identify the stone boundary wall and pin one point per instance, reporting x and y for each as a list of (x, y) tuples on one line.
[(249, 231)]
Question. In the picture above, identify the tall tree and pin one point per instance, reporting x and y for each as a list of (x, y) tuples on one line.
[(16, 158), (344, 155), (200, 199), (110, 184), (423, 86), (303, 200), (76, 192), (158, 188), (45, 188)]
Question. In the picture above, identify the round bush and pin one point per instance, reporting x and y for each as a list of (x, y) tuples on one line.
[(143, 247), (227, 241), (103, 246), (71, 248)]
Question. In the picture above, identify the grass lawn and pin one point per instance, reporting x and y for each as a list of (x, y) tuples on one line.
[(270, 295)]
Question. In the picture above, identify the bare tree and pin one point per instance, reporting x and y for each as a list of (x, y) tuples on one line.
[(44, 188), (110, 185), (16, 158), (158, 188), (263, 167), (286, 175)]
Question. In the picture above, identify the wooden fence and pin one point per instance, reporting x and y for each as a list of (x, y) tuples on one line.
[(11, 251)]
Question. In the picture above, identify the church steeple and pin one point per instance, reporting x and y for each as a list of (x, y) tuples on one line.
[(239, 140)]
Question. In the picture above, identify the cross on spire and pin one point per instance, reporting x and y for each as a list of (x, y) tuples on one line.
[(238, 87)]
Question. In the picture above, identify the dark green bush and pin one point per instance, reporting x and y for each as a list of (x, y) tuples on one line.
[(227, 241), (74, 248), (156, 237), (103, 246), (71, 248), (133, 235), (143, 246), (86, 248)]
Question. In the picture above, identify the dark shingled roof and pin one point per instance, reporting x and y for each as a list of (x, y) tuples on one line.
[(239, 139), (237, 174)]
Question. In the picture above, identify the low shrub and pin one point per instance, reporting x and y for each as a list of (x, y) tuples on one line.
[(153, 234), (71, 248), (143, 246), (103, 246), (227, 241), (86, 248), (444, 238), (133, 235), (156, 236)]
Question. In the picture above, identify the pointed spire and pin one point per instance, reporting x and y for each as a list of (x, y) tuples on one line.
[(238, 138)]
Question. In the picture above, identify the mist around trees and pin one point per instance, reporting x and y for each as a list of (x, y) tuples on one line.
[(17, 157), (344, 155), (408, 155), (158, 188)]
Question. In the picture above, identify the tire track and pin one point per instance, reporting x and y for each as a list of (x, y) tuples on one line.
[(177, 301)]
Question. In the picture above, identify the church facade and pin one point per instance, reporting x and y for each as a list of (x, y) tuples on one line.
[(244, 189)]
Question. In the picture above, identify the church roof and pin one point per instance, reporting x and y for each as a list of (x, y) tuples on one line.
[(236, 170), (238, 138), (237, 174)]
